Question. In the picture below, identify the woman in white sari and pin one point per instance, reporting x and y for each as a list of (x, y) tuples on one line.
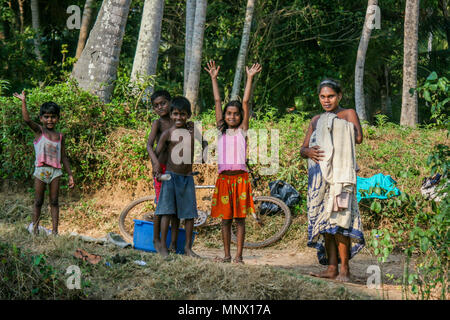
[(334, 223)]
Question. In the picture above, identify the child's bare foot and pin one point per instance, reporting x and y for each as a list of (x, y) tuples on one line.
[(238, 260), (163, 251), (173, 247), (330, 273), (190, 253), (222, 260), (157, 245)]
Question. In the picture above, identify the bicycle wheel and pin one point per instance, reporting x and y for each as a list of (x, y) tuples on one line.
[(262, 230), (140, 209), (144, 208), (203, 194)]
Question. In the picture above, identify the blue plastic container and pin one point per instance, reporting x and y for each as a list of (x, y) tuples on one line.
[(143, 237)]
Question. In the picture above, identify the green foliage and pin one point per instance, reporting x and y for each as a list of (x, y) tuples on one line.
[(422, 232), (423, 235), (436, 91), (25, 276), (297, 42)]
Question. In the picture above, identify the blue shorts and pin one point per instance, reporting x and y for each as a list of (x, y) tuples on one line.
[(177, 196)]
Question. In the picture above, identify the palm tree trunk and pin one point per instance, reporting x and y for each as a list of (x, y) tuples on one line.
[(444, 6), (190, 19), (84, 30), (146, 57), (96, 69), (35, 25), (196, 57), (21, 16), (243, 49), (388, 103), (409, 114), (360, 61)]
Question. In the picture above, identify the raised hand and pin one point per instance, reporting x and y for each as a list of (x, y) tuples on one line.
[(21, 96), (26, 117), (212, 69), (255, 68)]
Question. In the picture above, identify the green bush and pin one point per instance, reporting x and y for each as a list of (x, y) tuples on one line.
[(25, 276), (421, 228)]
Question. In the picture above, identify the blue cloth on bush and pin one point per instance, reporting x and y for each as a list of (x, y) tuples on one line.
[(379, 180)]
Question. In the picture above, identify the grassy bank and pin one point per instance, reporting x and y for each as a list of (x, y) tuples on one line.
[(177, 278), (106, 147)]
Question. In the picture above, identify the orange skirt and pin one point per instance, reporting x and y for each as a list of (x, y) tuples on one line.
[(232, 197)]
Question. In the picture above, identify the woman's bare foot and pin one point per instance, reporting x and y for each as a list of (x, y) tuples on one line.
[(344, 275), (330, 273), (343, 278)]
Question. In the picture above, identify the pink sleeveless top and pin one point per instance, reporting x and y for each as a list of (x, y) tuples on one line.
[(231, 150), (48, 152)]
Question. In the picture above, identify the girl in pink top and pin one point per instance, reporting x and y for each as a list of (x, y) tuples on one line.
[(50, 152), (232, 198)]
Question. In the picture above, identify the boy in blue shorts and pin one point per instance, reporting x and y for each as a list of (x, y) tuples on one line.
[(177, 195), (161, 105)]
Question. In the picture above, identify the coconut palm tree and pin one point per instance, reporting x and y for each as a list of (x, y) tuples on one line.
[(409, 113), (96, 69)]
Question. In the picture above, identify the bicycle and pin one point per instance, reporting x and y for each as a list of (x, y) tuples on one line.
[(261, 230)]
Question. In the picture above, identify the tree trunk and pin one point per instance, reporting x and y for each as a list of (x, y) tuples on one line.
[(240, 65), (361, 59), (96, 69), (146, 57), (444, 7), (84, 29), (190, 18), (388, 103), (196, 57), (35, 25), (21, 16), (409, 113)]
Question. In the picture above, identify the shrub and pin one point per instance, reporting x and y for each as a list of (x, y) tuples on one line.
[(25, 276)]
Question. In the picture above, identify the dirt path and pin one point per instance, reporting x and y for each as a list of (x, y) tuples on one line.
[(304, 262), (299, 261)]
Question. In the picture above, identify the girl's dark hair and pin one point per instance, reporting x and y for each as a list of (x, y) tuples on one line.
[(222, 126), (50, 107), (160, 93), (181, 103), (330, 83)]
